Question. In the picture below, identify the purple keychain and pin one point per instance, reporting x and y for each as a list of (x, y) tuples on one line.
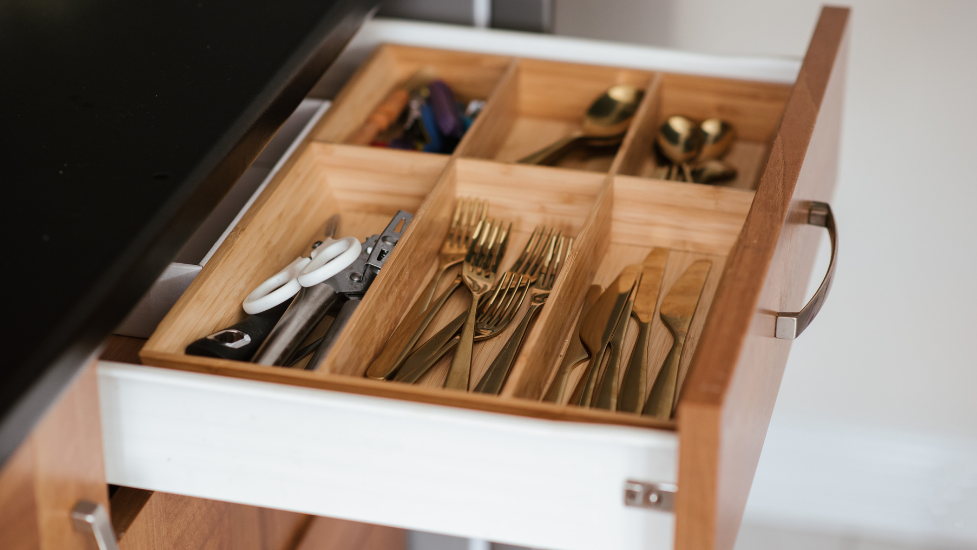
[(446, 111)]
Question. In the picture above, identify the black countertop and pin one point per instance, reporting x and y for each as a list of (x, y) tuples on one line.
[(122, 124)]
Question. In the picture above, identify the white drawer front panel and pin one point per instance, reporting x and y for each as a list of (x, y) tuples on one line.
[(467, 473)]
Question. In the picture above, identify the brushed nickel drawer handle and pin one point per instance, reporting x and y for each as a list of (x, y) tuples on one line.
[(90, 517), (791, 325)]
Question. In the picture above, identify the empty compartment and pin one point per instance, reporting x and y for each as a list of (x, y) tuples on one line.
[(365, 186), (541, 102), (753, 109), (692, 222), (470, 76)]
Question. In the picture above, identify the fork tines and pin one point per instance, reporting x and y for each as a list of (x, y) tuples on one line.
[(487, 247), (468, 213)]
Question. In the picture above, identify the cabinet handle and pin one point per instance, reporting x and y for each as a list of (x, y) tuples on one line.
[(791, 325), (90, 517)]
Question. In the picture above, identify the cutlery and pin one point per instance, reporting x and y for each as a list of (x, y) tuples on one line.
[(712, 171), (679, 139), (635, 381), (493, 317), (520, 275), (717, 138), (478, 272), (605, 124), (677, 310), (607, 387), (556, 254), (597, 328), (575, 354), (468, 218)]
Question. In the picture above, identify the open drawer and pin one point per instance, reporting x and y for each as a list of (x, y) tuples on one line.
[(505, 467)]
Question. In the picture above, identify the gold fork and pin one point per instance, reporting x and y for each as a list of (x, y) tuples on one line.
[(478, 271), (493, 316), (468, 218), (498, 371), (518, 276)]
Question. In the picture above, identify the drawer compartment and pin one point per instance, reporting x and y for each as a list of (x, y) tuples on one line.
[(498, 466), (540, 102), (470, 77)]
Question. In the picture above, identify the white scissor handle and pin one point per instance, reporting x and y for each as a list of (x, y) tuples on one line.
[(330, 260), (326, 260), (278, 288)]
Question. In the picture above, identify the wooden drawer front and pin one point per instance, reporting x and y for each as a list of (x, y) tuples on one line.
[(331, 442), (730, 394), (147, 520), (57, 466)]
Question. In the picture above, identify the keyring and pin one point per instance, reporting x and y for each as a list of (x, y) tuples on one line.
[(335, 258)]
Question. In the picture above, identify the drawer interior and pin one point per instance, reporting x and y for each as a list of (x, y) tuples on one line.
[(469, 75), (608, 203), (540, 102), (754, 109)]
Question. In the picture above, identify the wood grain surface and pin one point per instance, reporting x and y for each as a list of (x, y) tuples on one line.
[(58, 465), (147, 520), (541, 102), (731, 388)]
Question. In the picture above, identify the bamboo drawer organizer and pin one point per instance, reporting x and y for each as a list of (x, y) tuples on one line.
[(616, 214), (757, 230)]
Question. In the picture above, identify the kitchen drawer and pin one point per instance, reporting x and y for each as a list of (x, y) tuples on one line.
[(507, 468), (148, 520)]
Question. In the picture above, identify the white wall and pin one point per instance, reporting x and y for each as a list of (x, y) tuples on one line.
[(875, 427)]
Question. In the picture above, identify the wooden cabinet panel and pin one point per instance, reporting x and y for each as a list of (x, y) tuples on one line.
[(58, 465), (18, 511), (146, 520), (730, 393)]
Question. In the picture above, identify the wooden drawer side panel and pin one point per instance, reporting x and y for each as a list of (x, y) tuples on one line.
[(728, 399)]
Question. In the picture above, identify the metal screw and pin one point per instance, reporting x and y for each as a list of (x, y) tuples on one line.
[(355, 277)]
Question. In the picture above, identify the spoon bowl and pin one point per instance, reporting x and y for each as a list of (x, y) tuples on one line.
[(712, 171), (718, 136), (680, 140), (605, 124)]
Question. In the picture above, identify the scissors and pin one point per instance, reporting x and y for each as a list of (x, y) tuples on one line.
[(312, 302), (326, 259), (268, 302)]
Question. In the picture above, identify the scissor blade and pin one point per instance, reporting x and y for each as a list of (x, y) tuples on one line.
[(332, 225), (300, 319)]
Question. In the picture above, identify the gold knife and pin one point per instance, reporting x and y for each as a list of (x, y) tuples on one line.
[(635, 381), (576, 352), (607, 388), (597, 329), (677, 310)]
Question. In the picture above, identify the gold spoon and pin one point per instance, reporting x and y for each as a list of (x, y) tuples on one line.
[(680, 140), (712, 171), (604, 125), (718, 136)]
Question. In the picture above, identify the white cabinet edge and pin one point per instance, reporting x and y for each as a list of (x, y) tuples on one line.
[(538, 483), (574, 50)]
